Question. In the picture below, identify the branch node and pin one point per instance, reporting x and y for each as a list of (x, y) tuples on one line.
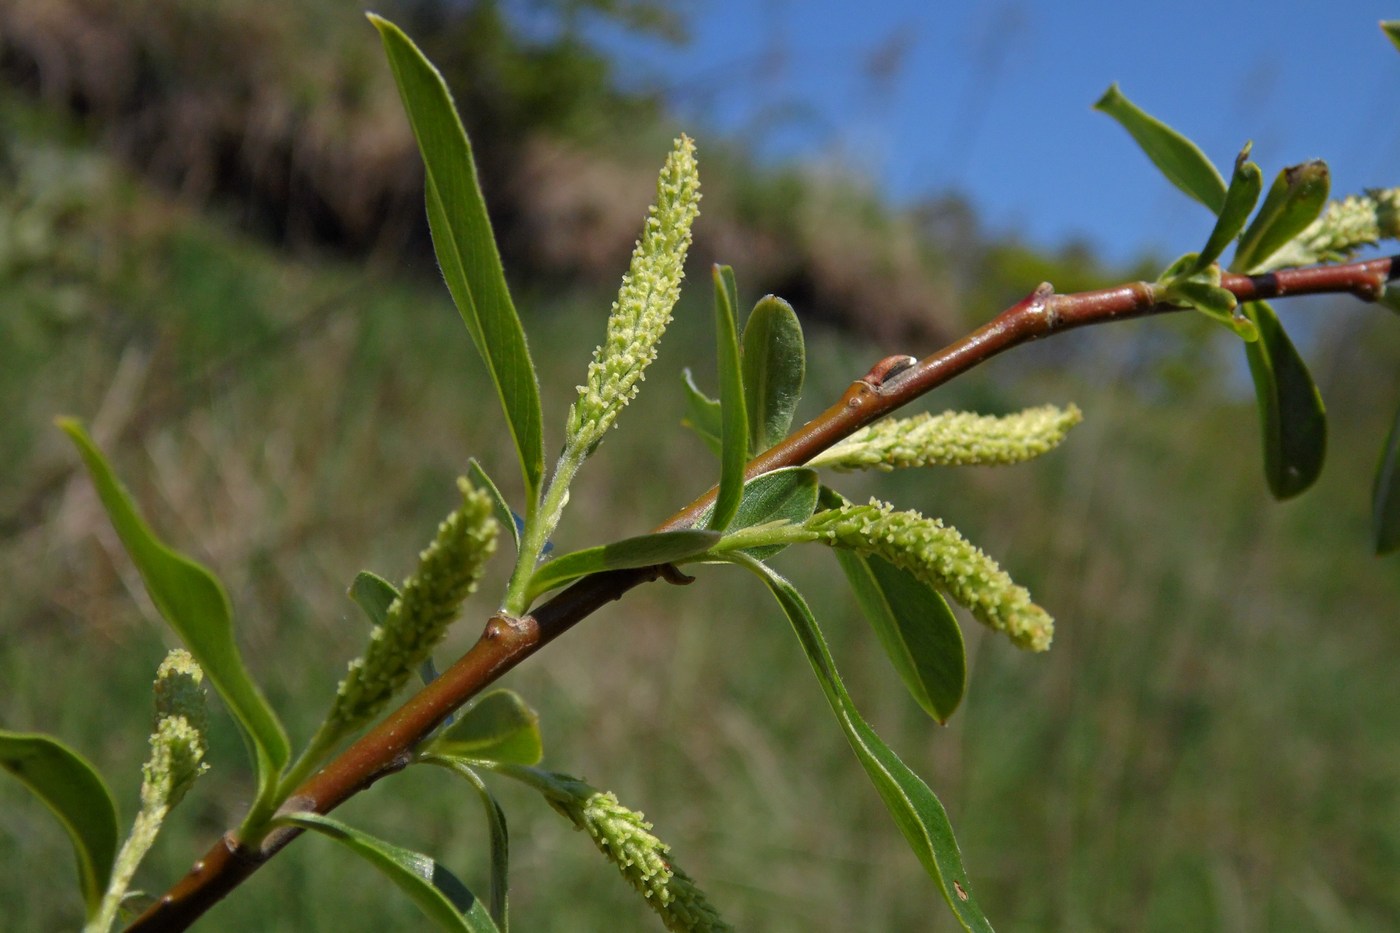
[(673, 574)]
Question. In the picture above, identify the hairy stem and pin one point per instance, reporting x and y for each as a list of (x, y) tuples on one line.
[(507, 641)]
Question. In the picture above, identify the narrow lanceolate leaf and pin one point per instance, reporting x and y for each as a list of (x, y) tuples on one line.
[(437, 892), (504, 516), (1385, 498), (1216, 303), (916, 628), (465, 246), (1296, 199), (916, 811), (1178, 158), (498, 726), (1245, 185), (1391, 28), (1293, 419), (71, 788), (734, 422), (500, 837), (702, 414), (775, 363), (197, 608), (666, 547)]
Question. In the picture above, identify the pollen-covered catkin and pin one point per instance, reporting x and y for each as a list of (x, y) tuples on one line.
[(943, 558)]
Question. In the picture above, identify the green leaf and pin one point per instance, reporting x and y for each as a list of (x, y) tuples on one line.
[(786, 495), (499, 726), (1385, 494), (1245, 185), (465, 246), (702, 414), (775, 363), (194, 603), (73, 790), (477, 474), (437, 892), (734, 422), (1214, 302), (916, 628), (1290, 408), (916, 811), (500, 838), (665, 547), (1177, 157), (1298, 195), (1391, 28), (374, 595)]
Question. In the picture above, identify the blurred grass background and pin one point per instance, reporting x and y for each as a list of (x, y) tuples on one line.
[(1212, 743)]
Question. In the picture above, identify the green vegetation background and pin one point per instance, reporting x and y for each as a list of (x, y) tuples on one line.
[(1212, 743)]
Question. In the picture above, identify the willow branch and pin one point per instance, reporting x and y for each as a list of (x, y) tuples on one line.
[(893, 382)]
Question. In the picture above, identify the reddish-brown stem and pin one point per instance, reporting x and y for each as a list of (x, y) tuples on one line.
[(891, 383)]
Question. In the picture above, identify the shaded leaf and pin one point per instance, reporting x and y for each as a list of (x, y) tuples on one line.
[(702, 414), (786, 495), (499, 726), (465, 247), (775, 364), (1297, 196), (1178, 158), (664, 547), (916, 628), (734, 423), (73, 790), (1245, 185), (438, 893), (916, 811), (373, 594), (1293, 418), (500, 838), (193, 601), (1385, 494), (504, 514), (1217, 303)]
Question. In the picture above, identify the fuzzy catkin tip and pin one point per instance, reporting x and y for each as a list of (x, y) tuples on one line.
[(943, 558), (952, 439), (625, 838), (448, 572), (178, 743), (1343, 227), (644, 303)]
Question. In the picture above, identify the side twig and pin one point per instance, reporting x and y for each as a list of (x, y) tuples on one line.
[(505, 642)]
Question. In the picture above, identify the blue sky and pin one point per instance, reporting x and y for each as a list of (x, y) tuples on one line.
[(993, 99)]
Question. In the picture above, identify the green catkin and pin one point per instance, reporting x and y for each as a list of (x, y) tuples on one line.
[(625, 837), (1343, 227), (943, 558), (644, 302), (448, 572), (952, 439)]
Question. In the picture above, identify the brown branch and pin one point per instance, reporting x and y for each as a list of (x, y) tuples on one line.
[(890, 384)]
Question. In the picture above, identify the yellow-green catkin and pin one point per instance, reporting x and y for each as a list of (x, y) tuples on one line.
[(644, 302), (178, 747), (943, 558), (1343, 227), (625, 837), (952, 439), (448, 572)]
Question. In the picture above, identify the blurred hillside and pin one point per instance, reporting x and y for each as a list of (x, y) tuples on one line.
[(210, 250)]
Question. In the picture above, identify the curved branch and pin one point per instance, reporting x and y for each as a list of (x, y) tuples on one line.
[(505, 642)]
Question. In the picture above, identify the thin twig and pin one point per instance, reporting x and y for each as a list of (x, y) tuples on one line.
[(890, 384)]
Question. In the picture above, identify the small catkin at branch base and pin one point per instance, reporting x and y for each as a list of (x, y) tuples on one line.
[(943, 558)]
